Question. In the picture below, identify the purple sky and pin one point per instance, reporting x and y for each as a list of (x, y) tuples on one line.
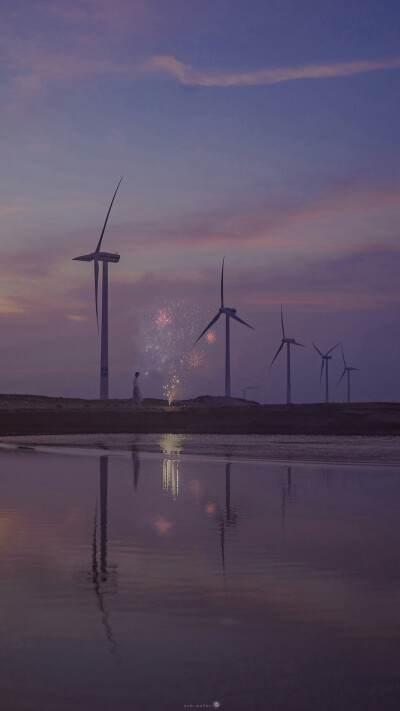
[(264, 132)]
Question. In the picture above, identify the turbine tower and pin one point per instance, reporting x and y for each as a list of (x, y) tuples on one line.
[(347, 370), (104, 257), (325, 360), (229, 313), (289, 342)]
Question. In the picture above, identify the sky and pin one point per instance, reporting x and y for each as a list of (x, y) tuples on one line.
[(263, 132)]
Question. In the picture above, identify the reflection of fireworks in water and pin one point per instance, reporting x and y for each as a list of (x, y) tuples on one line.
[(170, 332), (211, 337), (195, 358), (171, 446)]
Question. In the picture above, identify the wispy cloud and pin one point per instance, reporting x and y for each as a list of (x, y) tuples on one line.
[(11, 306), (191, 76), (30, 66), (327, 222), (78, 318)]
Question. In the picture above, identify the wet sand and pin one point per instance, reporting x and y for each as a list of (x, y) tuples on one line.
[(34, 415), (290, 449)]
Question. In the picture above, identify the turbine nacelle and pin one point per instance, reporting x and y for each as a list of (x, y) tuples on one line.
[(227, 311), (99, 256)]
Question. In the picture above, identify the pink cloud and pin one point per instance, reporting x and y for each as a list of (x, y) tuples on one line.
[(12, 306), (273, 225), (33, 62), (78, 318), (190, 76)]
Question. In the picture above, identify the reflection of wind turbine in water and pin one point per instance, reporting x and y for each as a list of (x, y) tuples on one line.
[(228, 517), (289, 342), (286, 494), (101, 573), (104, 257), (171, 446), (347, 370), (229, 313), (325, 360), (136, 468)]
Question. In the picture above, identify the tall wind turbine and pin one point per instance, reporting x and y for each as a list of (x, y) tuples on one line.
[(229, 313), (325, 360), (347, 370), (104, 257), (289, 342)]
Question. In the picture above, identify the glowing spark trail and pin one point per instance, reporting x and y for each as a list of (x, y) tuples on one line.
[(211, 337), (171, 388)]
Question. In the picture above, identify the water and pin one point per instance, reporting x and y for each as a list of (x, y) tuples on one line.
[(137, 580)]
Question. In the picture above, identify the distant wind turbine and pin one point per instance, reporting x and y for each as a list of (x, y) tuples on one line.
[(104, 257), (289, 342), (325, 360), (229, 313), (347, 370)]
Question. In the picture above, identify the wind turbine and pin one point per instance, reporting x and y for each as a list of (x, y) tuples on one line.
[(347, 370), (289, 342), (325, 360), (104, 257), (229, 313)]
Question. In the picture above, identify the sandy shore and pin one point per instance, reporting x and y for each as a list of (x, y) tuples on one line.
[(30, 415)]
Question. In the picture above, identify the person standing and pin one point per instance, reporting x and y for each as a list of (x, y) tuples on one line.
[(137, 395)]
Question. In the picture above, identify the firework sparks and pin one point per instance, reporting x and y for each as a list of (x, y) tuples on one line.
[(162, 319), (211, 337), (169, 333), (171, 389), (195, 358)]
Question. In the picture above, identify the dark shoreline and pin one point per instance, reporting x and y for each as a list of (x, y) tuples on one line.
[(30, 415)]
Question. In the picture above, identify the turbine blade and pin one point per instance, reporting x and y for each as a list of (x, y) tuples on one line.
[(344, 361), (299, 344), (322, 369), (108, 215), (332, 349), (342, 376), (209, 325), (276, 354), (84, 258), (222, 284), (317, 349), (96, 289), (283, 328), (241, 321)]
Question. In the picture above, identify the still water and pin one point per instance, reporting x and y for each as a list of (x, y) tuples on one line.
[(144, 580)]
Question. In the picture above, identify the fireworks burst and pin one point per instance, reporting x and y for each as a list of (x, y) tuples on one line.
[(168, 335), (195, 358), (162, 319), (211, 337)]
